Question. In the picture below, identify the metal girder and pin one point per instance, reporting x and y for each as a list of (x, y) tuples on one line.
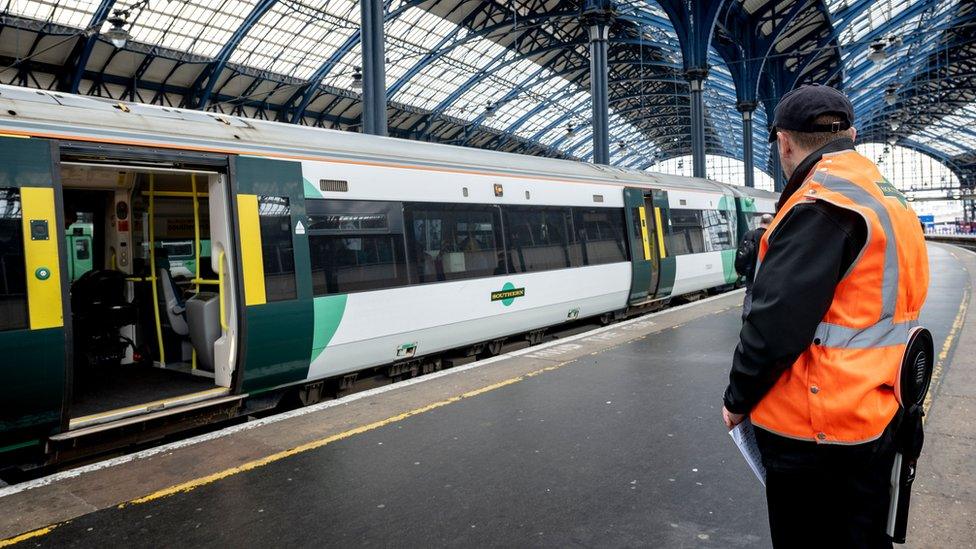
[(503, 60), (304, 94), (78, 59), (449, 44), (494, 65), (694, 23), (204, 84), (884, 29)]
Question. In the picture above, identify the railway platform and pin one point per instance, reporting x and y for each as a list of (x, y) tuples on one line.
[(608, 438)]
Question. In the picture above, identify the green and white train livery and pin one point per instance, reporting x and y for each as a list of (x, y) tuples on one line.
[(238, 264)]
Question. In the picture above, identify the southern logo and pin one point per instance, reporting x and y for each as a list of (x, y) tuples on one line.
[(507, 294)]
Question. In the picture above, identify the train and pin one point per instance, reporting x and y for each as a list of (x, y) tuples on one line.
[(320, 257)]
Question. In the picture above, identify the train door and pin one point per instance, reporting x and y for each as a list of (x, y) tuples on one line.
[(151, 333), (662, 227), (33, 303), (644, 244), (277, 281)]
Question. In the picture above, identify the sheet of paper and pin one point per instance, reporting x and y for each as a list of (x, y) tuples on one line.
[(744, 436)]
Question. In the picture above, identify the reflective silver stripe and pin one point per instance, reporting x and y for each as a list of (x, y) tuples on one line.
[(889, 283), (885, 332), (882, 334)]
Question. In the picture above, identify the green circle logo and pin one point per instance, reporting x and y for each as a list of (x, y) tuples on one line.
[(508, 287)]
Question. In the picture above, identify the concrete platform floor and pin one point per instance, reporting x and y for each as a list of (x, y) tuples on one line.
[(610, 439)]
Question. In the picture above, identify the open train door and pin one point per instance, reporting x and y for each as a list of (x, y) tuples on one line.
[(33, 295), (643, 243), (277, 280)]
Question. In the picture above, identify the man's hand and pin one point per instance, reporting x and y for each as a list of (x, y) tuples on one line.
[(730, 419)]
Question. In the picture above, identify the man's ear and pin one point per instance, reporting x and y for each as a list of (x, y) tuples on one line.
[(853, 133), (784, 143)]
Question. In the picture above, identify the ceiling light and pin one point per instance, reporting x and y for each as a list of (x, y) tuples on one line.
[(891, 95), (570, 130), (117, 35), (877, 53), (489, 110), (894, 125), (892, 140), (357, 78)]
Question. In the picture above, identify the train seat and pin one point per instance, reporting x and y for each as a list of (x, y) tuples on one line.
[(173, 304), (99, 309)]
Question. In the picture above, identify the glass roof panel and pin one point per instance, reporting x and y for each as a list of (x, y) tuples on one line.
[(295, 37), (200, 27), (952, 135), (77, 13), (911, 49)]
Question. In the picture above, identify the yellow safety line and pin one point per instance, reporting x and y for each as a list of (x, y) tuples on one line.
[(28, 535), (152, 266), (260, 462), (946, 347)]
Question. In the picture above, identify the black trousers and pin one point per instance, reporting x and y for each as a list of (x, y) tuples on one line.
[(833, 499)]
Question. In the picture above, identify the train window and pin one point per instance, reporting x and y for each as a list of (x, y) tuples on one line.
[(450, 242), (717, 225), (687, 235), (277, 249), (353, 263), (538, 239), (13, 278), (600, 233)]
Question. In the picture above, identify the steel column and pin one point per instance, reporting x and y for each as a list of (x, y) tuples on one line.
[(374, 68), (696, 80), (747, 109), (599, 81)]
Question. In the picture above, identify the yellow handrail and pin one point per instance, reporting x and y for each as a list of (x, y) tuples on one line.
[(172, 194), (152, 266), (220, 291), (196, 251), (204, 281)]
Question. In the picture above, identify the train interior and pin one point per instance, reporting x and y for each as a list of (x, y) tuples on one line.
[(143, 253)]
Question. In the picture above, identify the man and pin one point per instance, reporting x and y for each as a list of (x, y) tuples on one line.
[(746, 256), (842, 277)]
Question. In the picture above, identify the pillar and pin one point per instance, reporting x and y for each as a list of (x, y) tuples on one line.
[(599, 84), (374, 68), (696, 82), (747, 109)]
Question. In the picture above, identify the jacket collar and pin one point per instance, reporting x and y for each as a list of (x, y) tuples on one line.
[(803, 169)]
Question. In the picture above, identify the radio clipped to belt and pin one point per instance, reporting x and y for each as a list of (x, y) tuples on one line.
[(911, 386)]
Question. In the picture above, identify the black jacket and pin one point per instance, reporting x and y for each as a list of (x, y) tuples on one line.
[(809, 251), (745, 264)]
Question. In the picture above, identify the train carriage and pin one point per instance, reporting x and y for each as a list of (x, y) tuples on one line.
[(317, 255)]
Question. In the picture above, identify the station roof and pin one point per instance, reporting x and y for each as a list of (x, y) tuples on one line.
[(514, 75)]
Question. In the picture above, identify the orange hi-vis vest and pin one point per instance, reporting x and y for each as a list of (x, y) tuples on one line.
[(841, 388)]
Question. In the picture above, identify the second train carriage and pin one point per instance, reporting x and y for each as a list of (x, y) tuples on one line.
[(317, 255)]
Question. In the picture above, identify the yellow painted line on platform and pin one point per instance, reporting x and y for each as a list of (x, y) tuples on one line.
[(27, 535), (209, 479), (946, 347), (189, 485)]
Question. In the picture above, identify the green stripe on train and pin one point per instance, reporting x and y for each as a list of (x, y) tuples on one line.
[(328, 316)]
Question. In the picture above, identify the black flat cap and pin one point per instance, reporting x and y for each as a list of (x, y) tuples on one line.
[(798, 109)]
